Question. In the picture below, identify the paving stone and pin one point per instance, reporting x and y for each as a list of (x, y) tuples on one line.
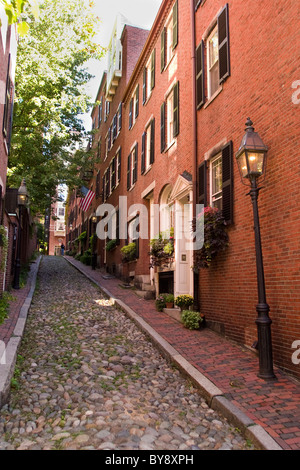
[(90, 375)]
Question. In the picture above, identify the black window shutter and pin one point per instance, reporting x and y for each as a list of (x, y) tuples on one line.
[(175, 25), (162, 50), (227, 183), (135, 164), (137, 92), (113, 173), (152, 143), (118, 227), (176, 110), (108, 174), (119, 166), (120, 117), (200, 74), (203, 183), (144, 85), (143, 155), (130, 113), (128, 171), (153, 69), (7, 99), (103, 188), (223, 39), (162, 127)]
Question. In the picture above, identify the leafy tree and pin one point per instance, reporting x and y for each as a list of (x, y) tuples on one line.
[(48, 139), (15, 11)]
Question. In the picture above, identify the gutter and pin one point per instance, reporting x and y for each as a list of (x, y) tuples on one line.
[(194, 135)]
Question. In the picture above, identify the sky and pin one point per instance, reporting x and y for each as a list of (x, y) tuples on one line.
[(139, 12)]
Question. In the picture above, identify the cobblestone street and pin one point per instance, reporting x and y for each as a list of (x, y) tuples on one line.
[(87, 378)]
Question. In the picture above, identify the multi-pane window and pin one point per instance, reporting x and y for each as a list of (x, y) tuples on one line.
[(170, 118), (220, 171), (216, 182), (149, 77), (132, 164), (169, 37), (134, 107), (213, 62), (147, 155), (214, 51)]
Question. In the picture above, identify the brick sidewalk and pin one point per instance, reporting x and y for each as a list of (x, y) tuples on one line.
[(232, 368), (19, 297)]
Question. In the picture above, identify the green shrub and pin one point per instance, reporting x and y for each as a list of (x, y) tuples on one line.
[(129, 252), (191, 319), (4, 305), (111, 245)]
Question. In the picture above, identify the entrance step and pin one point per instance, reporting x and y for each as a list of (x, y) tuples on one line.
[(147, 295), (174, 313)]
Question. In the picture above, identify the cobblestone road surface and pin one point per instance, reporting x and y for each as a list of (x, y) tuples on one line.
[(87, 378)]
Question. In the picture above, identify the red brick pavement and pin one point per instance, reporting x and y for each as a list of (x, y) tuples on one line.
[(232, 368), (19, 297)]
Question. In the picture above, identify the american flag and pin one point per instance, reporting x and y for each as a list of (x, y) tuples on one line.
[(87, 199)]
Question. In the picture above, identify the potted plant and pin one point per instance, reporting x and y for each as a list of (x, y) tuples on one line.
[(169, 300), (160, 302), (184, 301), (191, 319)]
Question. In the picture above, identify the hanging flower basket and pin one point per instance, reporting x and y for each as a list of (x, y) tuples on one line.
[(162, 249), (215, 236)]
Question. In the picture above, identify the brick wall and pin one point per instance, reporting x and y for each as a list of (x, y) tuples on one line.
[(264, 60)]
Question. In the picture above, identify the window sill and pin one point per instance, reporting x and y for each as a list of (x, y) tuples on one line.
[(169, 146), (147, 170), (213, 97), (169, 62)]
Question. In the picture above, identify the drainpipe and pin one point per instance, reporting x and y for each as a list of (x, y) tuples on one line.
[(194, 137)]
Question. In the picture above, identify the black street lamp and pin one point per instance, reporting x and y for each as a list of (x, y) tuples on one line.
[(22, 201), (251, 159)]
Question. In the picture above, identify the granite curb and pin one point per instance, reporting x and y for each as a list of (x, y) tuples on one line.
[(212, 394), (11, 350)]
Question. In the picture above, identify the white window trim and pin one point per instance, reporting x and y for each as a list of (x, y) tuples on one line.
[(212, 33), (212, 160)]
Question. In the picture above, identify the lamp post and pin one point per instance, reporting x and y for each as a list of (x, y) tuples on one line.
[(251, 159), (22, 201), (94, 254)]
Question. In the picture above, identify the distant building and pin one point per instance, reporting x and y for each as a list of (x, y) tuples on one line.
[(57, 228)]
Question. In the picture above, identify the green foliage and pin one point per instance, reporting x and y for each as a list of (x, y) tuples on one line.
[(4, 305), (169, 298), (162, 247), (129, 252), (111, 245), (86, 258), (82, 237), (160, 303), (215, 236), (17, 11), (191, 319), (49, 142), (4, 247)]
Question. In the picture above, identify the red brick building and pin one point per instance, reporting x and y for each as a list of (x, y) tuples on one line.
[(204, 68), (10, 217), (8, 222)]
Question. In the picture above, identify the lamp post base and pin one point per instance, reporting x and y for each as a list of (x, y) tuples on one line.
[(263, 322)]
